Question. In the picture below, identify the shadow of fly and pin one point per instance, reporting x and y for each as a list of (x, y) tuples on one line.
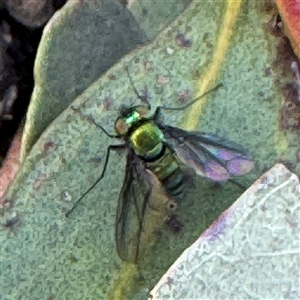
[(159, 150)]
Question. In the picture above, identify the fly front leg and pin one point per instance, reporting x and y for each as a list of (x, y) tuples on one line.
[(157, 114), (109, 148), (91, 120)]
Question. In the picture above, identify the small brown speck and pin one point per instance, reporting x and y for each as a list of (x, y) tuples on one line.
[(48, 147), (107, 103), (163, 79), (148, 65), (39, 181), (182, 96), (5, 203), (96, 160), (112, 77), (182, 41), (170, 281)]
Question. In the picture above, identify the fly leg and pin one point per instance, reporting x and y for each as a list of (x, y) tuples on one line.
[(237, 184), (109, 148), (90, 119)]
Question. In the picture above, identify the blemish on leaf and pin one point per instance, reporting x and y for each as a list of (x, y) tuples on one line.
[(11, 221), (174, 224), (112, 77), (162, 79), (95, 160), (148, 65), (107, 103), (66, 196), (182, 41), (291, 221), (40, 179), (182, 96), (5, 203), (48, 147), (170, 281)]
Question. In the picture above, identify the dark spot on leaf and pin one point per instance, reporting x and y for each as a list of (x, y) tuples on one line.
[(182, 96), (144, 12), (162, 79), (96, 160), (107, 103), (182, 41), (174, 224), (112, 77), (48, 147), (292, 222), (148, 65), (267, 72), (5, 203), (11, 221)]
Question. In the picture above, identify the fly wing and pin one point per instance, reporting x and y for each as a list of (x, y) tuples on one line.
[(132, 204), (209, 155)]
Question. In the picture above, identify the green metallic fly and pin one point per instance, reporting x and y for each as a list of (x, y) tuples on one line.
[(159, 150)]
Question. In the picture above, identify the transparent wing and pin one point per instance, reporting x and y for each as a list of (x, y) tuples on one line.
[(133, 200), (209, 155)]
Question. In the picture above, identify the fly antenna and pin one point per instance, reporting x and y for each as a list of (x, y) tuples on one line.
[(195, 100), (142, 98)]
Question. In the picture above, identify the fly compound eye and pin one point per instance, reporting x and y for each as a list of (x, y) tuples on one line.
[(121, 127), (171, 205), (142, 110)]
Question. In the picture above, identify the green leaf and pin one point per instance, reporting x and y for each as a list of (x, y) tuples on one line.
[(75, 257)]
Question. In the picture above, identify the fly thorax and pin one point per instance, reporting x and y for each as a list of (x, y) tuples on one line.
[(146, 140)]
